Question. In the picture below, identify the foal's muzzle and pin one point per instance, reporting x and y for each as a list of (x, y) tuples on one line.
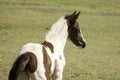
[(82, 44)]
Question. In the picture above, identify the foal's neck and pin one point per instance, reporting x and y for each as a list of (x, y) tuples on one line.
[(58, 34)]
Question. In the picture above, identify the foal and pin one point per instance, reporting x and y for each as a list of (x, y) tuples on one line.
[(45, 61)]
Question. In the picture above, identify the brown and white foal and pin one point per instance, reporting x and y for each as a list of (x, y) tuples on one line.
[(45, 61)]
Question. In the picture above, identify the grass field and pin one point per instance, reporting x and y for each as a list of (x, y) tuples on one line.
[(26, 21)]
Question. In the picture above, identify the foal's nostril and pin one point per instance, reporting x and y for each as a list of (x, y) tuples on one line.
[(83, 45)]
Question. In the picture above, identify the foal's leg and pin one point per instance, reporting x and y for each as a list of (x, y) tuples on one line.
[(37, 76), (58, 72)]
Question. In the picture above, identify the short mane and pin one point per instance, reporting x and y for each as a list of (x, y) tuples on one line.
[(56, 29)]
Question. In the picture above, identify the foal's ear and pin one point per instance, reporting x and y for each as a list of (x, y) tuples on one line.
[(70, 15), (76, 15), (73, 13), (73, 16)]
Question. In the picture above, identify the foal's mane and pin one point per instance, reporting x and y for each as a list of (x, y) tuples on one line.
[(57, 28)]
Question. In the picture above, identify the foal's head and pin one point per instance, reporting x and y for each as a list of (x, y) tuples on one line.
[(75, 34)]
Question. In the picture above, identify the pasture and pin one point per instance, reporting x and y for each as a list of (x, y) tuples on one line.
[(27, 21)]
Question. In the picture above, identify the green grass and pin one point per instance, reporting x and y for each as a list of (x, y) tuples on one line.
[(26, 21)]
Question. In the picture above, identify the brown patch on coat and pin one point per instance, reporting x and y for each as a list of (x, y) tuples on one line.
[(25, 62), (49, 45), (32, 64), (47, 63)]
